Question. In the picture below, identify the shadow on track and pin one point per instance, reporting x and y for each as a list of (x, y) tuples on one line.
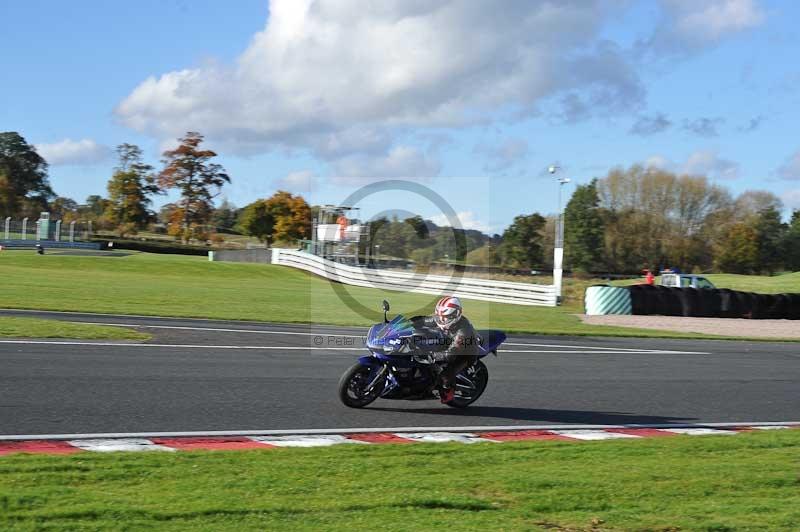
[(549, 416)]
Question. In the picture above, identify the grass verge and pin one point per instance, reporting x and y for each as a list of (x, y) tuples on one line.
[(762, 284), (184, 286), (36, 328), (749, 481)]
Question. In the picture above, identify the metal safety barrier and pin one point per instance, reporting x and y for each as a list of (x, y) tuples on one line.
[(463, 287)]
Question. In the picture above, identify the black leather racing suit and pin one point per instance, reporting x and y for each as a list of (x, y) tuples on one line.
[(460, 348)]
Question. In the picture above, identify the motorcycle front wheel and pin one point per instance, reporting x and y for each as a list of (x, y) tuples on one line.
[(470, 384), (353, 384)]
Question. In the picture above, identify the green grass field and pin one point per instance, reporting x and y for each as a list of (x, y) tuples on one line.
[(788, 282), (777, 284), (743, 482), (173, 285), (36, 328)]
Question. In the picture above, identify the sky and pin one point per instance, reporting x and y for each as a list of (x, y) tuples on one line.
[(470, 100)]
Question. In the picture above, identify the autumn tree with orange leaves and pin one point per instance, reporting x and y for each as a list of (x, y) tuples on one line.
[(282, 217), (188, 169)]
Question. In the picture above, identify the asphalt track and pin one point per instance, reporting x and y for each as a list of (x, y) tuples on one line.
[(206, 375)]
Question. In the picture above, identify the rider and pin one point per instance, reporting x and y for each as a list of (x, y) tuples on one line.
[(460, 345)]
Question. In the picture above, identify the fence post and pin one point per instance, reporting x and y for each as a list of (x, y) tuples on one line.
[(89, 231), (25, 228), (8, 227), (72, 231), (58, 230)]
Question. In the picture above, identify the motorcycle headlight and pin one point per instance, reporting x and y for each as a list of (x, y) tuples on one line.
[(393, 345)]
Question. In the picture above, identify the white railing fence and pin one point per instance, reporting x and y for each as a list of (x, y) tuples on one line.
[(464, 287)]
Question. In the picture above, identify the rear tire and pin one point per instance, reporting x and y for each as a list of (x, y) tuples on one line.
[(478, 375), (352, 384)]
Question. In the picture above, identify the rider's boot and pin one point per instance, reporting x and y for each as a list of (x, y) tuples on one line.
[(446, 394)]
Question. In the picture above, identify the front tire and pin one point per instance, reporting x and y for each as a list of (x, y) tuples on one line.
[(470, 384), (352, 386)]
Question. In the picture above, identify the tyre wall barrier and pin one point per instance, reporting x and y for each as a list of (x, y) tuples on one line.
[(700, 303), (602, 300)]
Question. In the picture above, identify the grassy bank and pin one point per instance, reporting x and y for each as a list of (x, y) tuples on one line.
[(36, 328), (172, 285), (749, 481), (788, 282), (762, 284)]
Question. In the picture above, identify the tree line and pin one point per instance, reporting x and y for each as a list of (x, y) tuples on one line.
[(632, 219), (640, 217), (25, 189)]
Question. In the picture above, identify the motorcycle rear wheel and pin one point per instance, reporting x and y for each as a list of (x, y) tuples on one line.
[(352, 384), (470, 384)]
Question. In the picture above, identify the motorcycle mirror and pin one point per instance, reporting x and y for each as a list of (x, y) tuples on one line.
[(385, 311)]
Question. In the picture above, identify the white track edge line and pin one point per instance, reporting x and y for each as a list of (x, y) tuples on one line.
[(246, 322), (294, 333), (301, 432), (314, 348)]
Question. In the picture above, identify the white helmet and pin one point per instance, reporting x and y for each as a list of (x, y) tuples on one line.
[(448, 312)]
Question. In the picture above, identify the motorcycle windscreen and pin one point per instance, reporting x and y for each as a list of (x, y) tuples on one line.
[(382, 334)]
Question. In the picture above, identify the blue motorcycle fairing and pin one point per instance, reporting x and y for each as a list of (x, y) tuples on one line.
[(379, 359), (490, 340), (369, 360)]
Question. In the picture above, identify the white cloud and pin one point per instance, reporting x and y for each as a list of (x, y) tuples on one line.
[(790, 169), (700, 162), (401, 162), (657, 161), (467, 219), (302, 180), (709, 163), (343, 77), (73, 152), (689, 25), (504, 155), (791, 198)]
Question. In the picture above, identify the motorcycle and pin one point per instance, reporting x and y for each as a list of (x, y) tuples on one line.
[(401, 364)]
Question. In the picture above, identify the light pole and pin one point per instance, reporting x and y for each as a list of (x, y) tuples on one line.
[(558, 249)]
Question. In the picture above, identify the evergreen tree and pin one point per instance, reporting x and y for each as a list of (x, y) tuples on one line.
[(771, 233), (24, 186), (791, 243), (583, 229), (522, 241)]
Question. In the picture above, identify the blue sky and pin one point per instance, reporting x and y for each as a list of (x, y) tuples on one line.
[(472, 101)]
